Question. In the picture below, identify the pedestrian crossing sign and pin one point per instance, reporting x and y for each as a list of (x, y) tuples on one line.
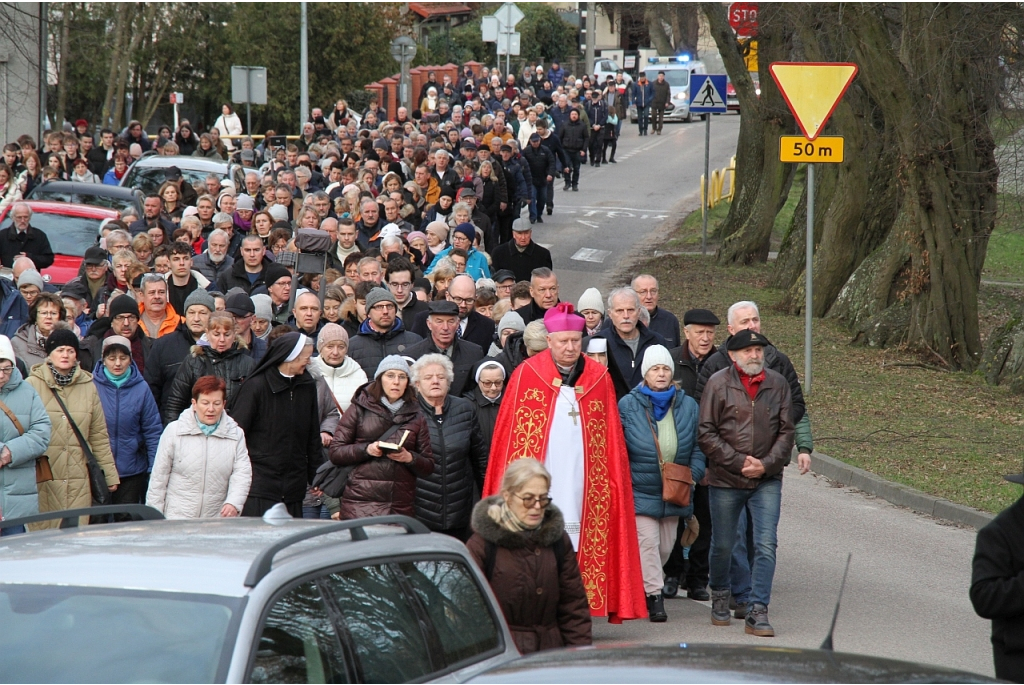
[(707, 93)]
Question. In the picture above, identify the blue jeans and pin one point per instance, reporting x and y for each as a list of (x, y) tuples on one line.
[(727, 505), (13, 530), (538, 200), (643, 118), (318, 512), (742, 559)]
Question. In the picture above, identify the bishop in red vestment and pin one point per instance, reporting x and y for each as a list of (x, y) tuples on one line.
[(560, 409)]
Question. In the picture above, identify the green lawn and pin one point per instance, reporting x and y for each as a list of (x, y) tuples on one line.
[(1004, 260), (950, 435)]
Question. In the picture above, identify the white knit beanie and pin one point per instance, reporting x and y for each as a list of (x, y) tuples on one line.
[(591, 299), (654, 356)]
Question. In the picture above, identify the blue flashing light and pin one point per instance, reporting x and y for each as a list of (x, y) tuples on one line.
[(684, 58)]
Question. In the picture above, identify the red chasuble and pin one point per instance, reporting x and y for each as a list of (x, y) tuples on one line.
[(609, 554)]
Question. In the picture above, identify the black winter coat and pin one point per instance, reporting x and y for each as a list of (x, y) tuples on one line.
[(379, 486), (541, 162), (444, 500), (513, 353), (624, 367), (997, 587), (486, 414), (773, 359), (464, 358), (574, 135), (281, 421), (91, 347), (479, 329), (32, 242), (369, 347), (508, 256), (687, 368), (165, 359), (233, 366), (236, 277)]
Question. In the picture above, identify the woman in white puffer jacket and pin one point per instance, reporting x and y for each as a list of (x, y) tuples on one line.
[(342, 373), (202, 467)]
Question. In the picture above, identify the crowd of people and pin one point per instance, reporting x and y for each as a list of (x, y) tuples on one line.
[(203, 373)]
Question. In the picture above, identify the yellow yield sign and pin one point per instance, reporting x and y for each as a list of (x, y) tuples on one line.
[(812, 90), (828, 149)]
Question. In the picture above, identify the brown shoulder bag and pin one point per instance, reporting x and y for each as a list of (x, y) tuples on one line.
[(676, 479)]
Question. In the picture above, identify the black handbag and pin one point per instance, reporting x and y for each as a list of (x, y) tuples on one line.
[(97, 480)]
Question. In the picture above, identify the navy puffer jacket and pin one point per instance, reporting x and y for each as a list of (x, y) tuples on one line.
[(635, 409), (133, 421)]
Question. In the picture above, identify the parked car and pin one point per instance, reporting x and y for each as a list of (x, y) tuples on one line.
[(689, 663), (603, 68), (147, 173), (256, 600), (71, 230), (732, 100), (95, 194), (677, 72)]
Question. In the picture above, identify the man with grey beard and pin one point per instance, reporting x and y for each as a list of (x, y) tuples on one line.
[(746, 432)]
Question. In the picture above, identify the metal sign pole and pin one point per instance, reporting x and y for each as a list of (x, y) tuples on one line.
[(248, 100), (809, 281), (707, 186), (508, 39)]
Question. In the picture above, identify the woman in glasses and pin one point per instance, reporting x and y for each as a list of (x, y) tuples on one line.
[(519, 541)]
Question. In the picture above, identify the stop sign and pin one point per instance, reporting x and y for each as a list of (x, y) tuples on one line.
[(743, 18)]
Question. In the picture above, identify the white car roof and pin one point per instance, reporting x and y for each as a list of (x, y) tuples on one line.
[(210, 556)]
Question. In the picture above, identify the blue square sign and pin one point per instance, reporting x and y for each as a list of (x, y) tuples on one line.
[(707, 93)]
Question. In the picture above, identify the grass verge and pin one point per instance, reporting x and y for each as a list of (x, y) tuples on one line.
[(948, 434)]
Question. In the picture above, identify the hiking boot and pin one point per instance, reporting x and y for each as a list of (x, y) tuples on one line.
[(757, 622), (550, 210), (720, 607), (699, 594), (575, 189), (739, 609), (671, 588), (656, 608)]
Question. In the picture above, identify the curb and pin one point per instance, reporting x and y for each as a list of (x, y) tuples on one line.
[(894, 493)]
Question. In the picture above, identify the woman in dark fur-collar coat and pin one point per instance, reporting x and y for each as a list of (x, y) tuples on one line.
[(529, 560)]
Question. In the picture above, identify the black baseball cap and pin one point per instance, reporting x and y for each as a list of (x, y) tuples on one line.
[(503, 275), (95, 255), (172, 173), (239, 304)]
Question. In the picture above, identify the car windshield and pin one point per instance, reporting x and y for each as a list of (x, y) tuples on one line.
[(149, 179), (677, 78), (95, 635), (68, 235), (118, 203)]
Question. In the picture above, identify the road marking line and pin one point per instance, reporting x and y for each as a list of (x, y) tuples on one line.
[(589, 254), (546, 246), (615, 209), (587, 223)]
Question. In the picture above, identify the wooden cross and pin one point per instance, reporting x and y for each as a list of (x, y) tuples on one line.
[(574, 414)]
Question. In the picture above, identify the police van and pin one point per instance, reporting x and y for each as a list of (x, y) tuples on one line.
[(678, 70)]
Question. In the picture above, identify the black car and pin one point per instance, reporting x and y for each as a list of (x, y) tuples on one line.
[(95, 194), (147, 173), (686, 663)]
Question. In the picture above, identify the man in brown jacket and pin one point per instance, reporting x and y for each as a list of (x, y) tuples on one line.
[(746, 432)]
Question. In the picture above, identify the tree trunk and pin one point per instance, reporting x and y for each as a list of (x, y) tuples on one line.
[(750, 146), (653, 13), (120, 15), (1003, 362), (750, 243), (62, 68), (129, 58), (947, 166)]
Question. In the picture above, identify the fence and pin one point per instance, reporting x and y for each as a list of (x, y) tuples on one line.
[(716, 192)]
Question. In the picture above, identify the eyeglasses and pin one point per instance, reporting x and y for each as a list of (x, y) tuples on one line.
[(491, 384), (383, 307), (529, 501), (125, 318), (6, 370), (462, 300), (652, 291), (400, 286)]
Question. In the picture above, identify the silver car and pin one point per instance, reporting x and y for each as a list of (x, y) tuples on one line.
[(246, 600)]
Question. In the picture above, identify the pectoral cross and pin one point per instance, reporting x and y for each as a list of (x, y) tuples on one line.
[(574, 414)]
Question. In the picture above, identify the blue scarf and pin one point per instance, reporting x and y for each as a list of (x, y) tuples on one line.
[(206, 429), (660, 400)]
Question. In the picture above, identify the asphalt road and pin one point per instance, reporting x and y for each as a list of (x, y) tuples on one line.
[(619, 206), (906, 595)]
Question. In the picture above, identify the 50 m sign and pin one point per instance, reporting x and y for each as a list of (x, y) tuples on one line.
[(827, 149)]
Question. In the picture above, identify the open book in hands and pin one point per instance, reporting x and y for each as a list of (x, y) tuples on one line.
[(388, 447)]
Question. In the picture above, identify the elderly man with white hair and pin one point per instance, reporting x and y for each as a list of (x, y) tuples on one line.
[(21, 239), (628, 338), (561, 410)]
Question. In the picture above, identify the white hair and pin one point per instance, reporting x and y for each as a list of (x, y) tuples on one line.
[(639, 276), (742, 304), (430, 359), (628, 292)]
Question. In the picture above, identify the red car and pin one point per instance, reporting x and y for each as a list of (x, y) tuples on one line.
[(71, 230)]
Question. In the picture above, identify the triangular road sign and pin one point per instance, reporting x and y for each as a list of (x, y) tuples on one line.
[(812, 90)]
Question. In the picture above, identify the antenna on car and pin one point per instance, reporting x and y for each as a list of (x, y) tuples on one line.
[(827, 644)]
